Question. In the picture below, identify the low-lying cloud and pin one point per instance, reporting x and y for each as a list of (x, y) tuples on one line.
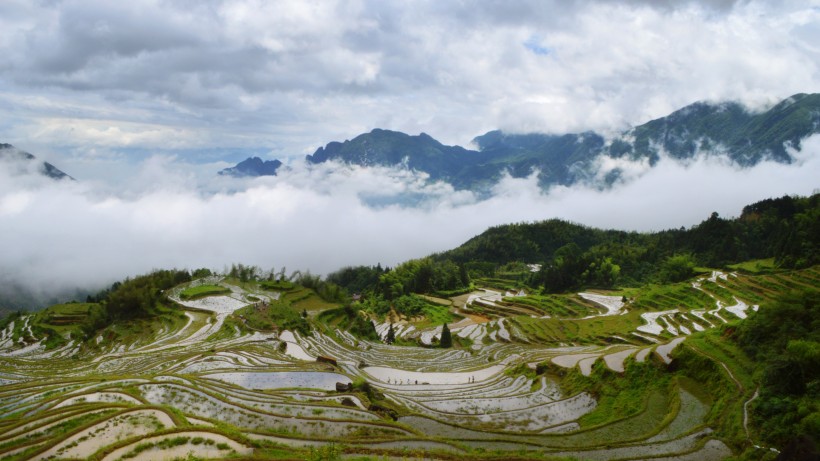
[(56, 235)]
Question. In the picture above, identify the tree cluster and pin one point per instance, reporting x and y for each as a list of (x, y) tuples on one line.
[(326, 290), (139, 296), (356, 279), (424, 275), (787, 229), (783, 338), (571, 268), (244, 273), (359, 325)]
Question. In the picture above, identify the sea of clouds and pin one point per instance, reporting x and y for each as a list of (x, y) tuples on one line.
[(61, 235)]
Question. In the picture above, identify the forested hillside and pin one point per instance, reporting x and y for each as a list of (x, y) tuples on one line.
[(703, 345), (786, 229)]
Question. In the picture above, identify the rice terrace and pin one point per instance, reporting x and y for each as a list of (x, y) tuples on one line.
[(368, 230), (620, 346)]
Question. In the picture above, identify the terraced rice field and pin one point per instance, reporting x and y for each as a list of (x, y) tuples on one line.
[(208, 387)]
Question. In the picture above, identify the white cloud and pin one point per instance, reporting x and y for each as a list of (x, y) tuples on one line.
[(67, 234), (293, 75), (139, 99)]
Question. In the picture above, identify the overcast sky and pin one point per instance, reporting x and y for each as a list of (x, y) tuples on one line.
[(98, 79), (144, 100)]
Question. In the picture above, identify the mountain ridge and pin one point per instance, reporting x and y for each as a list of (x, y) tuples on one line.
[(727, 128), (9, 152), (252, 167)]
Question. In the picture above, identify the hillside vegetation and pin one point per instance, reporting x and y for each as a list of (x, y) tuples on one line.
[(570, 255), (532, 341)]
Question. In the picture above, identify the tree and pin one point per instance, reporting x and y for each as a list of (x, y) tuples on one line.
[(446, 338), (677, 268), (361, 327), (139, 296), (201, 272), (602, 273), (391, 335), (783, 338), (463, 275)]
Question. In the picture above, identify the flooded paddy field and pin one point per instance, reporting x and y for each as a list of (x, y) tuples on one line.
[(206, 385)]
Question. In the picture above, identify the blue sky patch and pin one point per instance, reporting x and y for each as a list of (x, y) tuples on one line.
[(534, 44)]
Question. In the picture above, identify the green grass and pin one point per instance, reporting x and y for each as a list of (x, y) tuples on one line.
[(713, 344), (719, 291), (332, 317), (312, 303), (541, 331), (297, 294), (762, 288), (69, 309), (554, 305), (276, 315), (307, 299), (441, 301), (630, 406), (633, 416), (145, 330), (203, 291), (437, 314), (757, 266), (746, 289), (665, 297), (283, 285), (64, 320), (700, 359), (497, 283), (584, 331)]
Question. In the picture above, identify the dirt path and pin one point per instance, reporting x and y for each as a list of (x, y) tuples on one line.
[(478, 319), (746, 413), (728, 371)]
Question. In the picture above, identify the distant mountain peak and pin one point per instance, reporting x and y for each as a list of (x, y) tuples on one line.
[(252, 167), (11, 153), (382, 147), (701, 128)]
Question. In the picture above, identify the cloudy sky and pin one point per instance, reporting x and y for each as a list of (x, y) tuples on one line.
[(96, 79), (142, 99)]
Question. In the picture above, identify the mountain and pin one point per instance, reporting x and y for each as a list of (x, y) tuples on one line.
[(715, 129), (15, 296), (11, 153), (747, 138), (560, 159), (784, 229), (252, 167), (391, 148)]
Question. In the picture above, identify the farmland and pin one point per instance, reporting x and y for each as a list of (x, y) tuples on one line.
[(593, 375)]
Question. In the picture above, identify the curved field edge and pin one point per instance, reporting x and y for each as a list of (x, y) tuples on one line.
[(642, 405)]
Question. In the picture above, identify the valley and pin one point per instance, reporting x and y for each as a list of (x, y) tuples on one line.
[(337, 230), (522, 382)]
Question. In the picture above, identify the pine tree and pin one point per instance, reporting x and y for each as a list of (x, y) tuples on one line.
[(446, 339), (391, 335)]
